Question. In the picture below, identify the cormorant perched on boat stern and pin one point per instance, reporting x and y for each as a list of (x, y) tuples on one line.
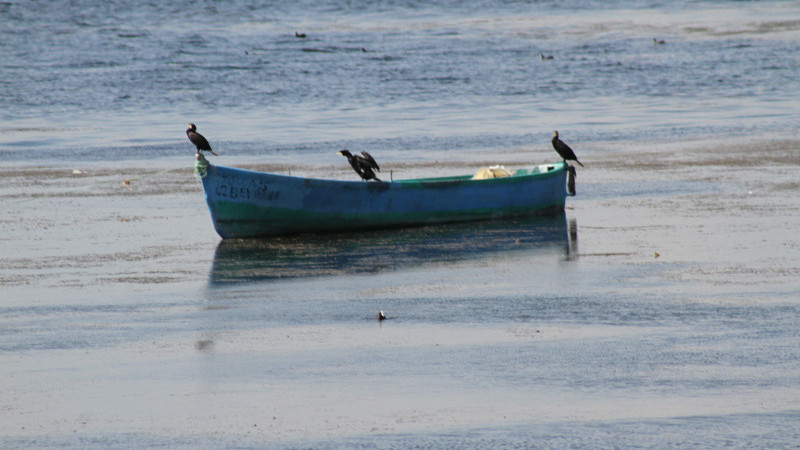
[(198, 140), (564, 150), (365, 166)]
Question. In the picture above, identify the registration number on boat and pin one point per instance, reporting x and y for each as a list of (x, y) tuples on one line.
[(245, 190)]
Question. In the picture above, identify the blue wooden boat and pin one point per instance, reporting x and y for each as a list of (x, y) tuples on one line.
[(245, 203)]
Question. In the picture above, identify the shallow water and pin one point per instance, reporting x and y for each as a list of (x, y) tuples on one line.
[(659, 311), (127, 322)]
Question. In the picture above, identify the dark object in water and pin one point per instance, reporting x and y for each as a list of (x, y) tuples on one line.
[(365, 166), (299, 35), (381, 316), (571, 180), (564, 150), (197, 139), (658, 41), (545, 57)]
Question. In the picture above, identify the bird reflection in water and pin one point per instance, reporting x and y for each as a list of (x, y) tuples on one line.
[(572, 249), (311, 255)]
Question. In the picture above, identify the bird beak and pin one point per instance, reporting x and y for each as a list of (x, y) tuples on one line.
[(341, 154)]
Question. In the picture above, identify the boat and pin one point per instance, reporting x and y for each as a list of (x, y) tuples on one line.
[(246, 204)]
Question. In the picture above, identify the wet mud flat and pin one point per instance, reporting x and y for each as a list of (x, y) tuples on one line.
[(660, 309)]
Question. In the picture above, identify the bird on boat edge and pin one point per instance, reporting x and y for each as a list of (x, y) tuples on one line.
[(364, 164), (198, 140), (564, 150)]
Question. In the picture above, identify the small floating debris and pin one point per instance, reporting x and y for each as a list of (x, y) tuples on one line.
[(656, 254), (127, 183), (77, 172), (204, 344)]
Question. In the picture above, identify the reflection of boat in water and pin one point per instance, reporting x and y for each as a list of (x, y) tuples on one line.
[(312, 255), (245, 204)]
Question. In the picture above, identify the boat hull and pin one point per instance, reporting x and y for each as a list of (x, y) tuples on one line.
[(246, 203)]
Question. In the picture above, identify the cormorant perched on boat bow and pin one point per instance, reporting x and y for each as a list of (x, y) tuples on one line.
[(564, 150), (198, 140), (364, 164)]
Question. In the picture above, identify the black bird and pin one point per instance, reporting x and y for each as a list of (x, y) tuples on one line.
[(545, 57), (658, 41), (563, 149), (371, 161), (299, 35), (365, 166), (197, 139)]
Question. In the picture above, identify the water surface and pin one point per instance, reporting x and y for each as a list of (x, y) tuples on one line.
[(659, 310)]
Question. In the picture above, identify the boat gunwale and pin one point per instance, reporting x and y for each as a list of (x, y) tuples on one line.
[(416, 182)]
